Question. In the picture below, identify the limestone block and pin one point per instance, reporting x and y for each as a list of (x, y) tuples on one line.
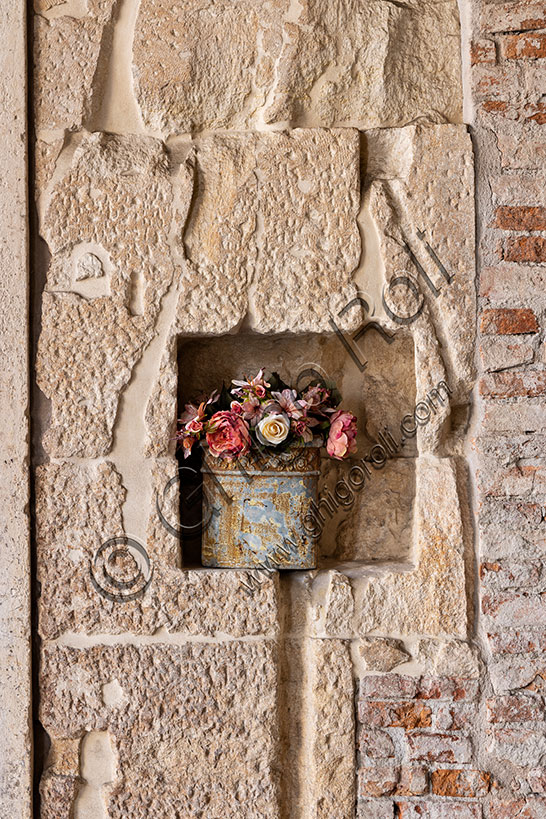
[(339, 606), (404, 210), (309, 201), (451, 658), (333, 744), (78, 508), (364, 64), (68, 77), (45, 157), (381, 654), (184, 81), (188, 713), (220, 238), (379, 524), (431, 599), (116, 201), (273, 231)]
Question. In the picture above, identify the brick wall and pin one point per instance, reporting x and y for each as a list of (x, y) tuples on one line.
[(416, 748), (509, 83), (448, 748)]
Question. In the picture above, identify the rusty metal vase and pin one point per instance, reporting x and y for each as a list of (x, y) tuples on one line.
[(257, 507)]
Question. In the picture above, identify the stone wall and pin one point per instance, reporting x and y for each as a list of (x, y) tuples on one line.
[(243, 170)]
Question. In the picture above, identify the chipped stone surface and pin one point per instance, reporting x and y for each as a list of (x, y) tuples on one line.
[(271, 233), (402, 209), (184, 82), (192, 601), (167, 762), (339, 606), (381, 654), (309, 63), (431, 599), (121, 200), (67, 76), (451, 658), (332, 689)]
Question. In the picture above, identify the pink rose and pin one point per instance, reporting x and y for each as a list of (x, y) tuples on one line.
[(342, 437), (227, 435)]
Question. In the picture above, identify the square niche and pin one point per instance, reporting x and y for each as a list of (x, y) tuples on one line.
[(377, 382)]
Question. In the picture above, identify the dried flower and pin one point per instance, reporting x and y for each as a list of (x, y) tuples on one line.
[(342, 437), (273, 429), (227, 435)]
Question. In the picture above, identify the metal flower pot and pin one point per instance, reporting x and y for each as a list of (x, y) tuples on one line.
[(258, 507)]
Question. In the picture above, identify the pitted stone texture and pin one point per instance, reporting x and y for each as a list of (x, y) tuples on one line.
[(364, 64), (432, 598), (161, 409), (189, 712), (413, 200), (117, 196), (339, 606), (273, 231), (220, 238), (78, 509), (184, 81), (333, 791), (45, 158), (68, 78), (309, 199)]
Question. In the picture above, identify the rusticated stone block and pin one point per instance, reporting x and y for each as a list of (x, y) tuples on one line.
[(299, 64), (302, 190), (118, 200), (187, 712), (67, 82), (78, 508)]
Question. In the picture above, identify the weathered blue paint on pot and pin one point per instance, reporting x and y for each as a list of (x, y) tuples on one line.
[(258, 508)]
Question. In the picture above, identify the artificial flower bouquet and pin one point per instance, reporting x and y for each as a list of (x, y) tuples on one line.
[(257, 413)]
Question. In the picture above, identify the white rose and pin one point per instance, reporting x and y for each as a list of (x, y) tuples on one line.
[(273, 429)]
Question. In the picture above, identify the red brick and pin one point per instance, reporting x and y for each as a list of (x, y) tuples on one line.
[(530, 808), (513, 16), (454, 716), (467, 783), (514, 609), (525, 249), (515, 708), (387, 715), (521, 217), (388, 686), (514, 384), (438, 810), (505, 574), (506, 321), (525, 45), (536, 112), (537, 780), (376, 744), (439, 747), (375, 809), (483, 51), (413, 781), (378, 780), (501, 282), (517, 642), (456, 688)]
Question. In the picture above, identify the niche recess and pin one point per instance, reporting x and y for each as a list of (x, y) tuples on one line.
[(376, 523)]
